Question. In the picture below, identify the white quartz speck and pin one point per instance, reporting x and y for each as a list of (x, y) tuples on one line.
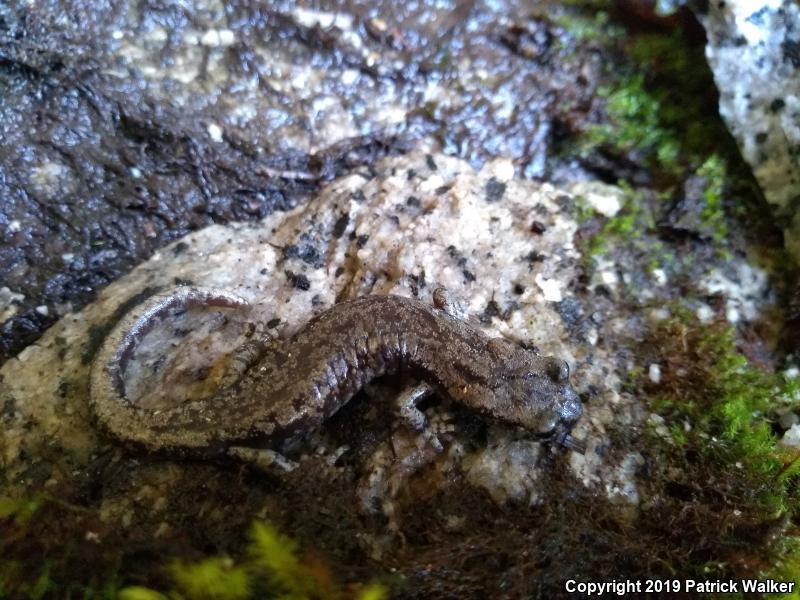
[(658, 315), (704, 313), (609, 278), (502, 169), (217, 37), (654, 373), (214, 132), (226, 37), (605, 199), (350, 76), (551, 288)]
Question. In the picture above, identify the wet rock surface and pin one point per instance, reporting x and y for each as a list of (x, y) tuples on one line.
[(125, 125)]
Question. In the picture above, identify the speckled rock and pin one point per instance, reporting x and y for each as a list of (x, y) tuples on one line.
[(754, 51), (421, 221)]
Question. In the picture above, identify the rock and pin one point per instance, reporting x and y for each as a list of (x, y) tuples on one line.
[(754, 51), (792, 436), (788, 419), (605, 199), (654, 373), (415, 223)]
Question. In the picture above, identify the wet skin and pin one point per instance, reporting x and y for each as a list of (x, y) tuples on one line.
[(288, 388)]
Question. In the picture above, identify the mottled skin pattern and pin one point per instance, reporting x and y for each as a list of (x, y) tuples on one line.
[(290, 387)]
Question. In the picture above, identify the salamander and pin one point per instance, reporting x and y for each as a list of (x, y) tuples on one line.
[(290, 387)]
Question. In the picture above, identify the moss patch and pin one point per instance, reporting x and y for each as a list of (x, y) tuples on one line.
[(271, 568), (633, 124), (656, 125), (271, 565), (724, 481)]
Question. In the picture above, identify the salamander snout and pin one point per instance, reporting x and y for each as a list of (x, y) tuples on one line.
[(549, 405)]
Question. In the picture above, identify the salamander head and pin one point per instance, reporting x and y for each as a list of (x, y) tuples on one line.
[(534, 392)]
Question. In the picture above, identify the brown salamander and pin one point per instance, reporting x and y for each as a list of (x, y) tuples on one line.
[(290, 387)]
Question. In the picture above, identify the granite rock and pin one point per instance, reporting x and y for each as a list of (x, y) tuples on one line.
[(754, 51)]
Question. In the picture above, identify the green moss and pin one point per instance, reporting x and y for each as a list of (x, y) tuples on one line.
[(633, 124), (271, 568), (714, 171), (660, 121), (626, 226), (586, 27), (40, 558), (731, 445), (21, 510), (787, 567)]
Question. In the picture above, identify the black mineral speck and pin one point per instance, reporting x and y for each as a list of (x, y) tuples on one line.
[(9, 408), (534, 257), (362, 240), (305, 251), (538, 227), (180, 248), (272, 323), (417, 282), (519, 289), (413, 201), (468, 275), (761, 137), (603, 290), (494, 190), (430, 162), (443, 189), (492, 310), (341, 225), (791, 52), (298, 280), (777, 104)]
